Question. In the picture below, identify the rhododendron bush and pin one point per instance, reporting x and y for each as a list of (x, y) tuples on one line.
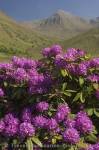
[(52, 101)]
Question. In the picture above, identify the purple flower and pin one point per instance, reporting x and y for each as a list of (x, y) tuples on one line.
[(6, 66), (96, 146), (60, 62), (20, 75), (60, 116), (26, 115), (51, 124), (29, 63), (2, 125), (8, 117), (46, 52), (36, 79), (24, 63), (97, 94), (39, 121), (93, 78), (90, 147), (83, 123), (63, 108), (69, 123), (86, 63), (57, 130), (72, 68), (80, 53), (40, 84), (94, 62), (11, 125), (73, 54), (42, 106), (18, 62), (1, 93), (26, 129), (32, 72), (71, 136), (55, 50), (70, 55), (11, 129), (81, 69)]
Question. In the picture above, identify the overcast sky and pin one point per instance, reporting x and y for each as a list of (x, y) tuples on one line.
[(37, 9)]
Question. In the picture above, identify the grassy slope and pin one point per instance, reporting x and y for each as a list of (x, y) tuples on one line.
[(18, 40), (88, 41)]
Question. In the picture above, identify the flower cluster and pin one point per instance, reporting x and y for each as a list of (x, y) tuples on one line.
[(83, 123), (71, 135), (93, 147), (51, 99), (63, 111), (29, 123)]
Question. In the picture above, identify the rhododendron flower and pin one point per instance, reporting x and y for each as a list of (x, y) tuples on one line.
[(71, 136)]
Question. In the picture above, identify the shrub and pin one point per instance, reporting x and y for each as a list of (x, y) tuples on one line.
[(51, 101)]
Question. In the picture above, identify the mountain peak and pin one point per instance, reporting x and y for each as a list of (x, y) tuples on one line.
[(60, 17), (62, 12)]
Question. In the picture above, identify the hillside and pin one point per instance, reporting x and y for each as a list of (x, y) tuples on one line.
[(61, 25), (88, 41), (23, 40), (95, 22), (18, 40)]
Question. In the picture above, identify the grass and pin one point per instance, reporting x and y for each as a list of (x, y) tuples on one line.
[(18, 40), (88, 41)]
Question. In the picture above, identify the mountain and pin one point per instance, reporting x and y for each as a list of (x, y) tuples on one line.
[(61, 25), (88, 41), (27, 39), (18, 40), (95, 22)]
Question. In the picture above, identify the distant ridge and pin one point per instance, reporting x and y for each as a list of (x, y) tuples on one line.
[(61, 25), (27, 39)]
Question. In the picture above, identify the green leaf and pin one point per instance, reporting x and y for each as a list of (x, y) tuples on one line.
[(45, 138), (81, 81), (72, 148), (58, 137), (91, 138), (67, 93), (96, 112), (15, 141), (90, 111), (54, 141), (62, 100), (64, 86), (87, 56), (50, 113), (96, 86), (82, 98), (5, 84), (81, 144), (37, 141), (64, 73), (76, 98), (72, 91), (94, 131), (29, 144), (53, 110)]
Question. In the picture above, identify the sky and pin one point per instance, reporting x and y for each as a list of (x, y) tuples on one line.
[(27, 10)]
